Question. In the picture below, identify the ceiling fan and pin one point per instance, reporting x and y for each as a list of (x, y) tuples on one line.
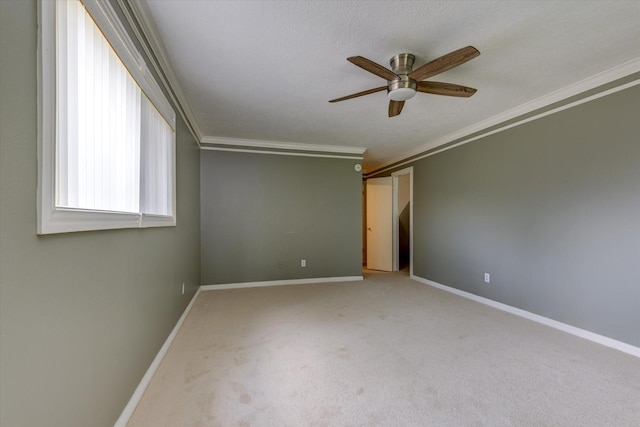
[(403, 81)]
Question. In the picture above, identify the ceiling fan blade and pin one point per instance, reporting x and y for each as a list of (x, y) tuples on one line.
[(372, 67), (395, 107), (448, 89), (444, 63), (364, 92)]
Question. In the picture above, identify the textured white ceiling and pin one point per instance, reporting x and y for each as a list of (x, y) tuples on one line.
[(264, 70)]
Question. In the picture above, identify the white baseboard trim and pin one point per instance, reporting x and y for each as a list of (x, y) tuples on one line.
[(146, 379), (582, 333), (280, 283)]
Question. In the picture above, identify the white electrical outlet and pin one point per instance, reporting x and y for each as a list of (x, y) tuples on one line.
[(487, 278), (303, 263)]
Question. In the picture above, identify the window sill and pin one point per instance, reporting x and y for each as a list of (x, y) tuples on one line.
[(63, 220)]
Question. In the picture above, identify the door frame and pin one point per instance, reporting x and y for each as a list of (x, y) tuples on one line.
[(396, 213)]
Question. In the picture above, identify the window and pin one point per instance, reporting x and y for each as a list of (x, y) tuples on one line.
[(106, 135)]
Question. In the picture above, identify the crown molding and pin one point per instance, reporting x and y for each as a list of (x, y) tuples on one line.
[(283, 153), (161, 62), (274, 145), (608, 76)]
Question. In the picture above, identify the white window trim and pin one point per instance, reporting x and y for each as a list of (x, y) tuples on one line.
[(52, 219)]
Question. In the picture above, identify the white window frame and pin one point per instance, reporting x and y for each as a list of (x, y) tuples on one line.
[(53, 219)]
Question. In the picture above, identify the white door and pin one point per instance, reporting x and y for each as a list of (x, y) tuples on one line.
[(380, 224)]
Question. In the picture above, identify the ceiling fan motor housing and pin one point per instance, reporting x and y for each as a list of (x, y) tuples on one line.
[(402, 63), (405, 87)]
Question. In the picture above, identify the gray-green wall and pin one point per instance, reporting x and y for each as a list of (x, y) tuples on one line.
[(263, 213), (551, 209), (82, 315)]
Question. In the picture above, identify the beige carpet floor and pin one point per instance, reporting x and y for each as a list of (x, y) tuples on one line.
[(386, 351)]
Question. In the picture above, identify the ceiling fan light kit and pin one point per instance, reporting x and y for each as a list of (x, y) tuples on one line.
[(401, 93), (403, 81)]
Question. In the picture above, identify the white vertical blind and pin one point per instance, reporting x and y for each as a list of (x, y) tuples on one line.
[(156, 164), (114, 151)]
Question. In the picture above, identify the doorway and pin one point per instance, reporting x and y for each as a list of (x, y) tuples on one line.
[(403, 220), (388, 231)]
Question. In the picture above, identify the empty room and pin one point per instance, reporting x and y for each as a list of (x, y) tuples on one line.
[(319, 213)]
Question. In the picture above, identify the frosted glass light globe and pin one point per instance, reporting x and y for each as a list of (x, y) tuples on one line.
[(401, 94)]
